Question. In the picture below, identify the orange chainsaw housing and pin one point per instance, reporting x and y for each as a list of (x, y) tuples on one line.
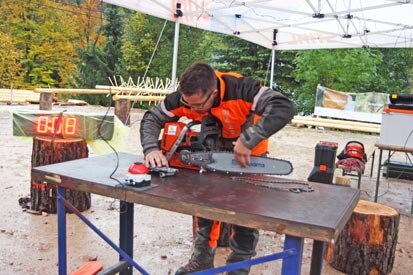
[(170, 135)]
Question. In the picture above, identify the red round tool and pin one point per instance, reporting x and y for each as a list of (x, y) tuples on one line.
[(138, 168)]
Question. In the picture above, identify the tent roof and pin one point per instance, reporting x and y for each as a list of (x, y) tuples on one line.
[(300, 24)]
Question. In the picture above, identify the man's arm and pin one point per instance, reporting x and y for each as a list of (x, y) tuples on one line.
[(275, 109), (152, 123)]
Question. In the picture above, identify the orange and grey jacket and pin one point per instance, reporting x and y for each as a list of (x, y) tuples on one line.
[(245, 108)]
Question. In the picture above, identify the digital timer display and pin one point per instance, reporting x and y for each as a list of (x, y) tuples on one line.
[(63, 125)]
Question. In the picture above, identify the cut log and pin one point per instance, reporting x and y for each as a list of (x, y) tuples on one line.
[(367, 243), (48, 151)]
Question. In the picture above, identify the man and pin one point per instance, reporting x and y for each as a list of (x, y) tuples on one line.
[(248, 113)]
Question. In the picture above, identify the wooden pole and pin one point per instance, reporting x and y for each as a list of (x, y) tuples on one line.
[(46, 101), (122, 110), (71, 91), (139, 98), (368, 242)]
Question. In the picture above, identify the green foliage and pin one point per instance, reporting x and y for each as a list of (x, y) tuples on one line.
[(43, 34), (139, 43), (73, 43), (395, 74), (10, 68), (234, 54), (349, 70)]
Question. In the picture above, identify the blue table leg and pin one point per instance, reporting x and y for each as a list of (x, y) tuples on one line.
[(378, 176), (292, 265), (126, 232), (61, 230)]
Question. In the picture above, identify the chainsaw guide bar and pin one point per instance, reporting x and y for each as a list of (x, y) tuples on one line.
[(225, 162)]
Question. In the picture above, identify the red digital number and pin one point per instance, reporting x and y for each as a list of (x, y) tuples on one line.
[(56, 125), (42, 124), (70, 126)]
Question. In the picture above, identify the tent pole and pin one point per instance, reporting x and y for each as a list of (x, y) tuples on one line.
[(175, 55), (272, 66), (274, 44)]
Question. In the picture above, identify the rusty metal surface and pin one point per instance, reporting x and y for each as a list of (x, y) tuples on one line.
[(318, 215)]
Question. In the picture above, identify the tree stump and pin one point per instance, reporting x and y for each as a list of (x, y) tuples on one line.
[(367, 243), (49, 151)]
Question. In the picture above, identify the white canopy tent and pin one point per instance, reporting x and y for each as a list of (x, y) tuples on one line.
[(292, 24)]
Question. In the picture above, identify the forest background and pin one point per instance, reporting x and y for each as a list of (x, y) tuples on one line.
[(83, 43)]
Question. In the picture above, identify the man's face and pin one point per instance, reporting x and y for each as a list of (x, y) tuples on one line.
[(200, 102)]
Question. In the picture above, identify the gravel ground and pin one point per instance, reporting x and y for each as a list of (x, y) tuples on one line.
[(163, 239)]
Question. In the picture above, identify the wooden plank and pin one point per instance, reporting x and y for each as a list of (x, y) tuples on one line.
[(337, 121), (394, 148), (318, 215), (344, 125), (72, 91), (18, 96), (138, 98), (132, 90)]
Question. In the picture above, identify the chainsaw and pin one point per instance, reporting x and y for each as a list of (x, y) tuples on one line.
[(207, 150)]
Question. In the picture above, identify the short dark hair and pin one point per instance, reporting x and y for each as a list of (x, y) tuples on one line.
[(198, 77)]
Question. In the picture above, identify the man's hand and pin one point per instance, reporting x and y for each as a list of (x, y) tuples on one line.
[(242, 154), (155, 159)]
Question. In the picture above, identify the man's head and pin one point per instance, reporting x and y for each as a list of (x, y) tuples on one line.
[(198, 87)]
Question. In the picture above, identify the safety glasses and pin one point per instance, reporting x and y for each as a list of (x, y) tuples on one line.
[(197, 105)]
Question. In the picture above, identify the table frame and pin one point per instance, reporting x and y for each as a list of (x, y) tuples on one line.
[(390, 148), (294, 227)]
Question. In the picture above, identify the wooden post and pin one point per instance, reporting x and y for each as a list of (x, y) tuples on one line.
[(49, 151), (368, 242), (122, 110), (46, 100)]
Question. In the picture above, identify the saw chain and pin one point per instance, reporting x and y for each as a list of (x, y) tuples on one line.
[(293, 186)]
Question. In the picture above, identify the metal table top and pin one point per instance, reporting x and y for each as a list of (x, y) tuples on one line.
[(318, 215)]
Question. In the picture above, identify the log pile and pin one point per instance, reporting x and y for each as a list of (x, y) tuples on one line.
[(368, 242)]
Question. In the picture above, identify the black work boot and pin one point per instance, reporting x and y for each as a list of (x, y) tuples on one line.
[(194, 265), (203, 255)]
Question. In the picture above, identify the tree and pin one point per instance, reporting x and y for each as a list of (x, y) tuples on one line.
[(347, 70), (395, 72), (10, 68), (99, 63), (140, 42), (43, 32)]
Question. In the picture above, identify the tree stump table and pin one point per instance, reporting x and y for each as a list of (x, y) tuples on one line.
[(54, 150), (367, 243)]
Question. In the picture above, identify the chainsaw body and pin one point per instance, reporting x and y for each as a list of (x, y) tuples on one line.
[(178, 137), (206, 150)]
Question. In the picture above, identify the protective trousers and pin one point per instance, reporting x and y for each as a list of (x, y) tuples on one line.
[(243, 242)]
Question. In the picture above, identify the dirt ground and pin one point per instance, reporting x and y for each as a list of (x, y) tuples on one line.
[(163, 239)]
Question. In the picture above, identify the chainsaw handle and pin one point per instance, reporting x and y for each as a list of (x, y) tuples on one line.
[(357, 142), (192, 123), (180, 138)]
